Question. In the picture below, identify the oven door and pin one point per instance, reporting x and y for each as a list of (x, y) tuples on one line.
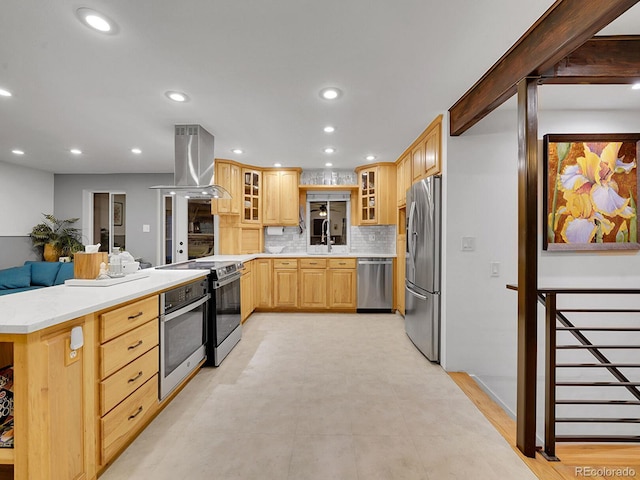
[(183, 338), (225, 318)]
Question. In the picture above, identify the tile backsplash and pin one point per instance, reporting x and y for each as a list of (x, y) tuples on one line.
[(364, 239)]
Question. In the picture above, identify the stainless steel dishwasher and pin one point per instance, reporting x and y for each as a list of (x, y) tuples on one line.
[(375, 284)]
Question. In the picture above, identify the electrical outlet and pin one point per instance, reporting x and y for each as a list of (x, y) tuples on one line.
[(372, 237), (146, 228)]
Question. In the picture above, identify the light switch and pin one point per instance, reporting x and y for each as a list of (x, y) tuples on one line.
[(468, 244), (146, 228), (495, 269)]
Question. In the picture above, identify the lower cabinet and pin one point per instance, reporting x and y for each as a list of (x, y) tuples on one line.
[(305, 283), (128, 369), (246, 291), (285, 283)]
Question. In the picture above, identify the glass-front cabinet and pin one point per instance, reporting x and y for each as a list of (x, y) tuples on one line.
[(251, 183), (368, 205)]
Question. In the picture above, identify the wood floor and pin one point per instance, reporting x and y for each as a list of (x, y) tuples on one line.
[(599, 462)]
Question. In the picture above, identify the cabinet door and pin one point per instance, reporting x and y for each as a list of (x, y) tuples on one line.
[(400, 185), (342, 288), (400, 272), (417, 156), (227, 175), (289, 198), (432, 152), (262, 269), (407, 180), (285, 284), (251, 195), (313, 288), (368, 198), (271, 182), (246, 295)]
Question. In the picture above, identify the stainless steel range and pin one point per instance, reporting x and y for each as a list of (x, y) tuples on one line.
[(224, 330)]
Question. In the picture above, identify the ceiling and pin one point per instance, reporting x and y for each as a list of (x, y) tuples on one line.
[(253, 70)]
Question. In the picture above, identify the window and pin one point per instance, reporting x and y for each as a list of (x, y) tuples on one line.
[(329, 221)]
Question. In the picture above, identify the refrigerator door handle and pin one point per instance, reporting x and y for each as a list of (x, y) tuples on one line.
[(416, 294), (411, 237)]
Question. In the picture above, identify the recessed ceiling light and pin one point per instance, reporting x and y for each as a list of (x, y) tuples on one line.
[(137, 151), (329, 129), (177, 96), (96, 20), (17, 152), (328, 164), (635, 86), (237, 151), (172, 193), (370, 157), (76, 151), (277, 164), (329, 150), (5, 93), (330, 93)]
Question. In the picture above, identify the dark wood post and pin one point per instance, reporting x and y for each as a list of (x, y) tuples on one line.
[(527, 264), (549, 451)]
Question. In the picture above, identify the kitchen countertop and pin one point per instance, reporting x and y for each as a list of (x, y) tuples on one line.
[(252, 256), (33, 310)]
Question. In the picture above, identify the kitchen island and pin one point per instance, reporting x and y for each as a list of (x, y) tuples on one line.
[(71, 419)]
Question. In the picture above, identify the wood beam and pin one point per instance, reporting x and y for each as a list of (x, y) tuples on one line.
[(527, 265), (561, 30), (604, 60)]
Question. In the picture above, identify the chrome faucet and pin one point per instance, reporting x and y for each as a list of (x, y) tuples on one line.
[(325, 234)]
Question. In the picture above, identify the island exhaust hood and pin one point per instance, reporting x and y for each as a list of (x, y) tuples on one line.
[(194, 165)]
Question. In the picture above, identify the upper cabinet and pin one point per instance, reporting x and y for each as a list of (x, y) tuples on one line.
[(422, 159), (377, 194), (281, 197), (251, 185), (227, 175)]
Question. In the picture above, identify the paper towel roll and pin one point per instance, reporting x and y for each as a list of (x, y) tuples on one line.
[(275, 230)]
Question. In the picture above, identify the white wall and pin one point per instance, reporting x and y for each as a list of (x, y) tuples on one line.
[(25, 194), (481, 314)]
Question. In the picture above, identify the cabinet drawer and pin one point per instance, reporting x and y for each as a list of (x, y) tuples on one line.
[(342, 263), (122, 422), (127, 380), (126, 348), (125, 318), (313, 263), (285, 263), (246, 267)]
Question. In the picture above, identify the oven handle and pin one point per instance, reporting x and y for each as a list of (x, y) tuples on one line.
[(227, 281), (183, 310)]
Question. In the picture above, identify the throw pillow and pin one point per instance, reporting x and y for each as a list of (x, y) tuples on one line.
[(43, 273), (15, 277), (65, 273)]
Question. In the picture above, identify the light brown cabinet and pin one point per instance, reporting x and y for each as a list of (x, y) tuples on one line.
[(285, 283), (263, 271), (401, 268), (313, 283), (281, 197), (342, 283), (404, 179), (251, 195), (377, 194), (128, 369), (246, 291), (227, 175)]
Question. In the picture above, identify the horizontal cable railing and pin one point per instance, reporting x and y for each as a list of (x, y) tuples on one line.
[(556, 322)]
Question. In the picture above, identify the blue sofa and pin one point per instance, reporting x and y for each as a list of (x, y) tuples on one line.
[(34, 275)]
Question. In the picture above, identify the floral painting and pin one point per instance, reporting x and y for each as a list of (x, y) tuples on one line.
[(591, 192)]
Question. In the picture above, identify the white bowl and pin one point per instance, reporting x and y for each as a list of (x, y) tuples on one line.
[(275, 249), (130, 267)]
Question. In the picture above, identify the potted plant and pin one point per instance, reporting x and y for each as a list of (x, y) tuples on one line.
[(58, 237)]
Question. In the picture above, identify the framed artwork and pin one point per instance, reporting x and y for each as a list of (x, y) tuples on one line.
[(591, 192), (117, 214)]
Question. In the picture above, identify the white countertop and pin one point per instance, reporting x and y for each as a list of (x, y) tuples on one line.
[(33, 310), (246, 258)]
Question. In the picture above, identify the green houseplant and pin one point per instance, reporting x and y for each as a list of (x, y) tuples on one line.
[(58, 237)]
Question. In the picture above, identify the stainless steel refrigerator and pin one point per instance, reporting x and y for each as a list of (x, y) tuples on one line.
[(422, 286)]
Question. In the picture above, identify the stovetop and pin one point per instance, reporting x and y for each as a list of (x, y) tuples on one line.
[(219, 270)]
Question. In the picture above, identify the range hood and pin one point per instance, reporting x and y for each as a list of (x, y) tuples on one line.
[(194, 165)]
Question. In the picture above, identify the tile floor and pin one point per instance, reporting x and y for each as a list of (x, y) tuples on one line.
[(321, 396)]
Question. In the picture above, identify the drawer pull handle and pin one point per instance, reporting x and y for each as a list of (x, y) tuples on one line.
[(131, 417), (132, 347), (131, 380), (313, 263), (131, 317), (285, 263), (343, 263)]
